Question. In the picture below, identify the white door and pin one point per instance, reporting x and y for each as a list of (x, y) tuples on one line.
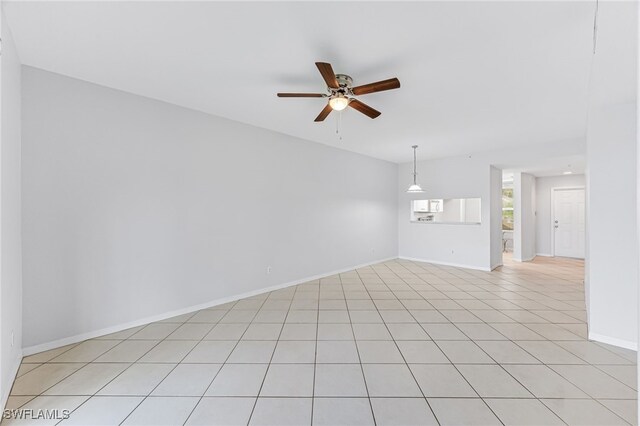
[(568, 222)]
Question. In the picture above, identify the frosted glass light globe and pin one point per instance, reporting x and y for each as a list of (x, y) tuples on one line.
[(338, 103)]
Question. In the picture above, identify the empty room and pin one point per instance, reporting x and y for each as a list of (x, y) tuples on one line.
[(319, 213)]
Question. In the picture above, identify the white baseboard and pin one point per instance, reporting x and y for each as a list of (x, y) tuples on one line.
[(6, 386), (437, 262), (143, 321), (529, 259), (545, 254), (627, 344)]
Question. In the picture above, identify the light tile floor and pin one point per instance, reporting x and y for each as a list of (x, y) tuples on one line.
[(398, 343)]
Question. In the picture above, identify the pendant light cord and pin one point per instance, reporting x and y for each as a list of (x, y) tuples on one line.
[(415, 188), (414, 164)]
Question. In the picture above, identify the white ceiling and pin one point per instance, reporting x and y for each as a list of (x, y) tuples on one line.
[(476, 76), (552, 166)]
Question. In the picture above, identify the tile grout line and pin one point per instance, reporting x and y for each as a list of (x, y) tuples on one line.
[(483, 351), (398, 348), (117, 375), (91, 362), (542, 363), (407, 364), (542, 340), (275, 347), (178, 363), (227, 357), (355, 343), (315, 353), (497, 363)]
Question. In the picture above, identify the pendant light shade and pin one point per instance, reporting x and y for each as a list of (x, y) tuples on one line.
[(414, 187)]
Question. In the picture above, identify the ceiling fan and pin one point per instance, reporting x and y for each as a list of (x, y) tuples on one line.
[(341, 92)]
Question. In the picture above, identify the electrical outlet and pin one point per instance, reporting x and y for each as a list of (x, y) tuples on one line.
[(268, 269)]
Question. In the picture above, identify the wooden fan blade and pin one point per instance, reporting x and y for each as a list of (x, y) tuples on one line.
[(327, 73), (364, 108), (324, 113), (378, 86), (301, 95)]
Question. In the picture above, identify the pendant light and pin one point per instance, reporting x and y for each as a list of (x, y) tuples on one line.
[(414, 188)]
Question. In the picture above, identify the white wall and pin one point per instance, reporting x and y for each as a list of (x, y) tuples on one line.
[(524, 217), (455, 244), (544, 218), (10, 250), (612, 240), (134, 207), (529, 218), (496, 217), (638, 193), (612, 244)]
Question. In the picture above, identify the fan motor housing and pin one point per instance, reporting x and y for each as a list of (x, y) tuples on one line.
[(344, 80)]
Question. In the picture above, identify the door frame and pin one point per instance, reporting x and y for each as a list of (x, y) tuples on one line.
[(553, 211)]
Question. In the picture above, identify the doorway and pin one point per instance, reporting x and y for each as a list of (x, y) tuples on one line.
[(568, 227)]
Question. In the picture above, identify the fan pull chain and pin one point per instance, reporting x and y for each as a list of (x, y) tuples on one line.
[(338, 123)]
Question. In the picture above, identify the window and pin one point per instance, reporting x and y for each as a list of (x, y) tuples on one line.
[(507, 209)]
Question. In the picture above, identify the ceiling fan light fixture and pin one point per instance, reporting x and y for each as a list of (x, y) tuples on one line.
[(338, 102), (341, 94)]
